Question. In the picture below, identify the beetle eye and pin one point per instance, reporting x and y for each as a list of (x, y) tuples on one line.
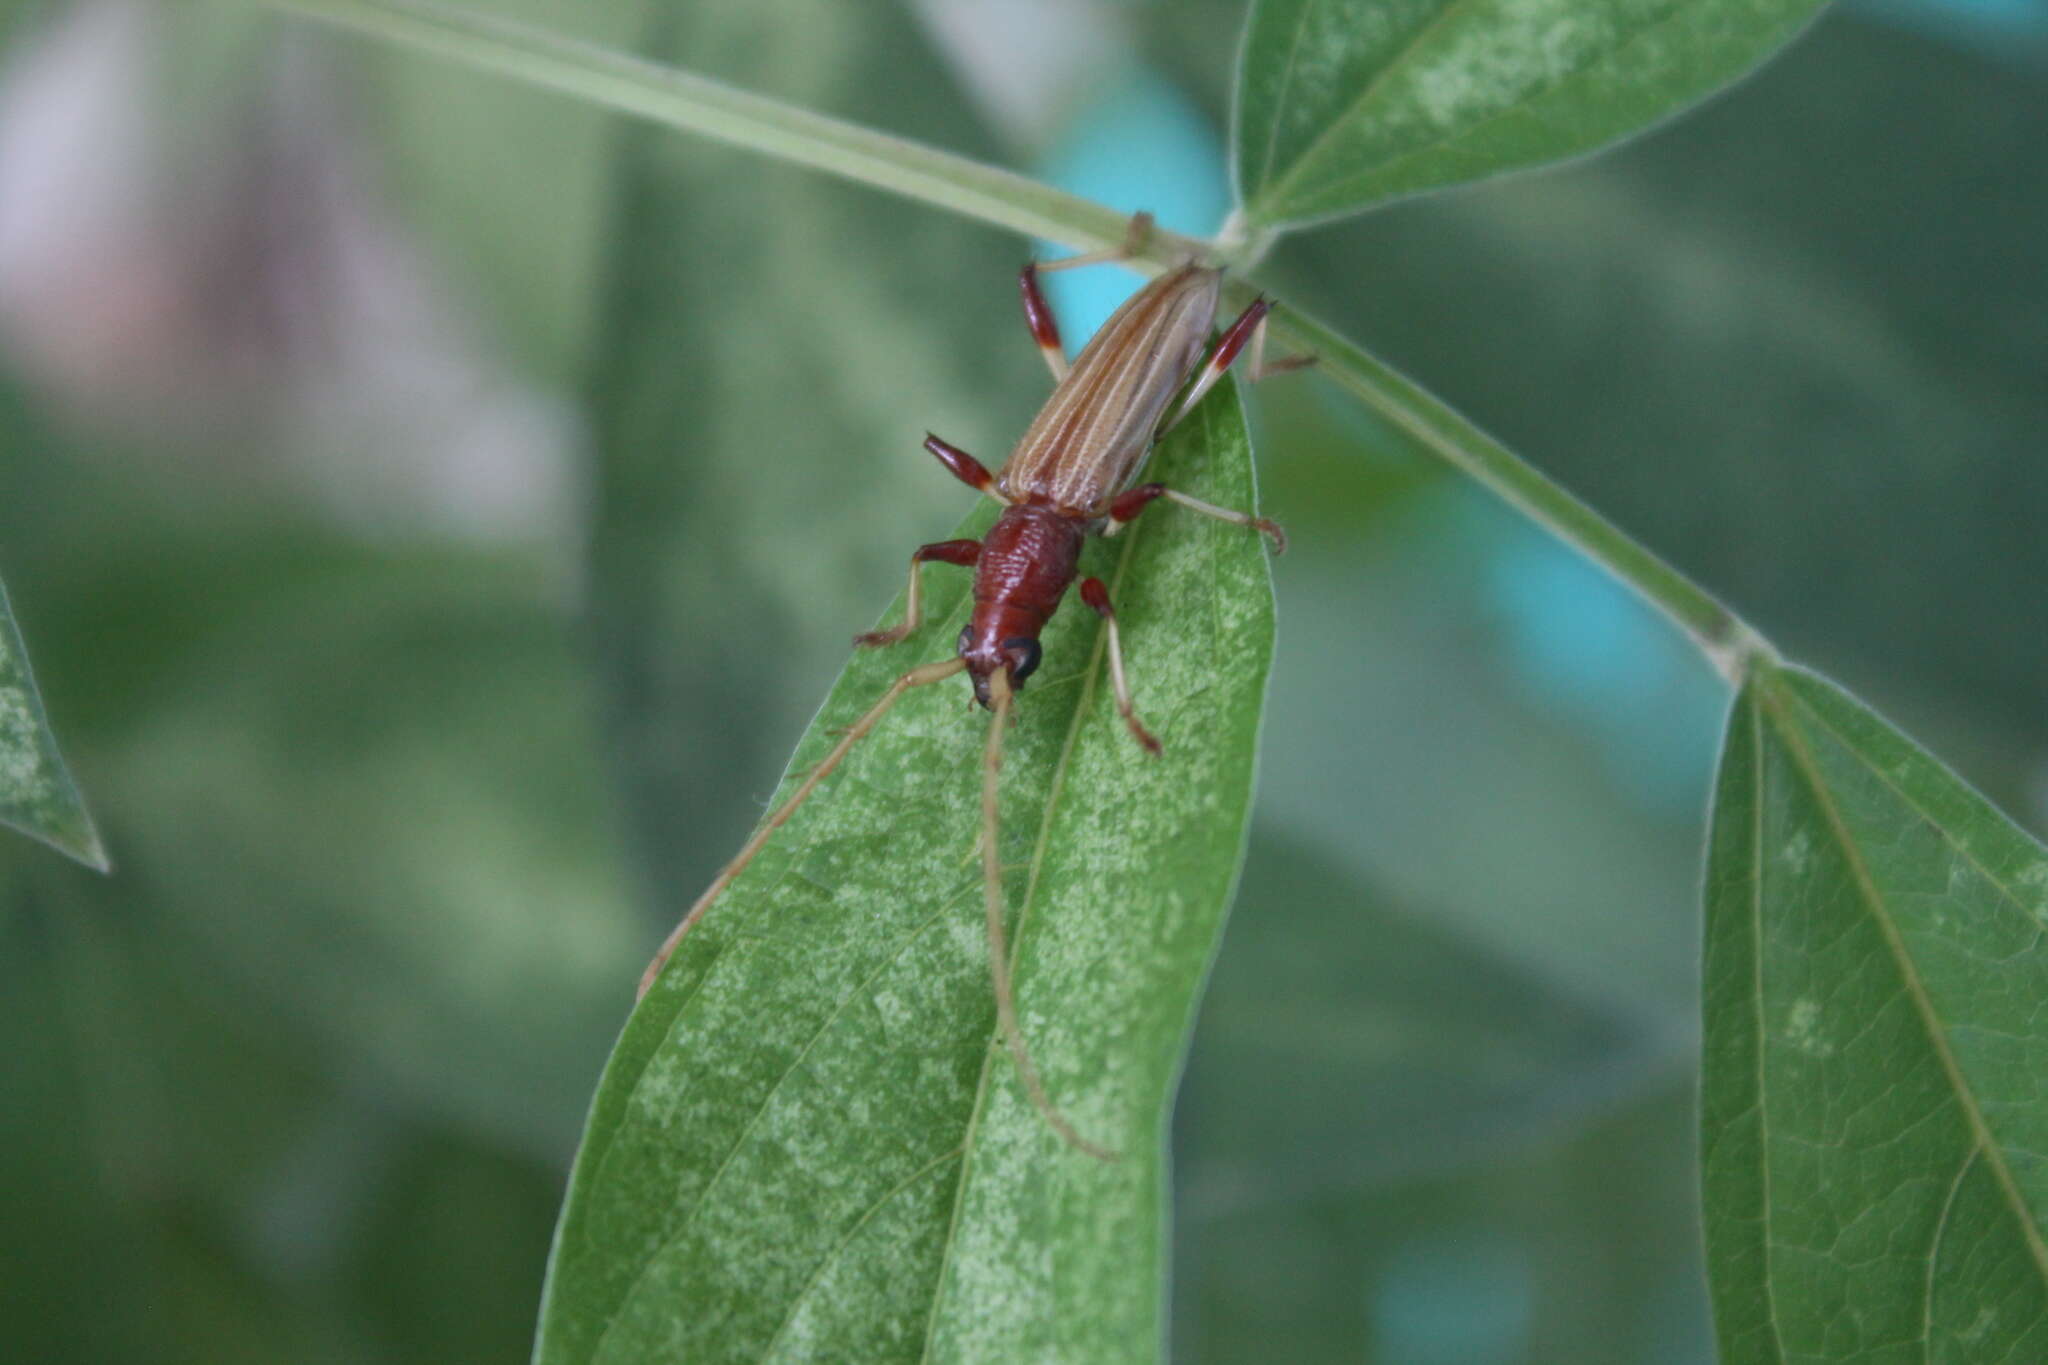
[(1024, 666)]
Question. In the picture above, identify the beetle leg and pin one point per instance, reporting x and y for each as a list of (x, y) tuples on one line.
[(1251, 320), (962, 552), (1260, 369), (1045, 328), (1136, 234), (964, 467), (1038, 316), (916, 677), (1249, 327), (1124, 509), (1097, 596)]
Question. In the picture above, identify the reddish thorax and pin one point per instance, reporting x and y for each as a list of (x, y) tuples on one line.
[(1027, 560)]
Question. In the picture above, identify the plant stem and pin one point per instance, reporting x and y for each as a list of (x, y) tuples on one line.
[(694, 103), (697, 104), (1729, 642)]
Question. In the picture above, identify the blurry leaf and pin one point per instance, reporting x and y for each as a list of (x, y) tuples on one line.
[(37, 795), (64, 1244), (1580, 1249), (1825, 382), (146, 1098), (1874, 1046), (1349, 1040), (772, 348), (189, 1175), (1403, 720), (1346, 102), (448, 1262), (521, 234), (807, 1145), (315, 756)]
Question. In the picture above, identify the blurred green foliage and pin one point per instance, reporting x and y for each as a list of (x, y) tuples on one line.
[(300, 1081)]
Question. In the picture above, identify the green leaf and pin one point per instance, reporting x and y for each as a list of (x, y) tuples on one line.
[(1875, 1047), (1343, 103), (37, 795), (808, 1144)]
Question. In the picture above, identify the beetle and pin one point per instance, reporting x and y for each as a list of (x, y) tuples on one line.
[(1063, 481)]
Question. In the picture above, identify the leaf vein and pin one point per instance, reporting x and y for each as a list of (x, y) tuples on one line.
[(1357, 105), (857, 991), (825, 1262), (1960, 849), (1092, 674), (1756, 922), (1280, 96), (1916, 990), (1948, 1206), (1520, 105)]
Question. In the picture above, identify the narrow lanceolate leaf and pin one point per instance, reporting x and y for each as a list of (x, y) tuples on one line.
[(1343, 103), (37, 795), (808, 1144), (1876, 1047)]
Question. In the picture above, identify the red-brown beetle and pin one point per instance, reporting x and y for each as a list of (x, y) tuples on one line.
[(1064, 480)]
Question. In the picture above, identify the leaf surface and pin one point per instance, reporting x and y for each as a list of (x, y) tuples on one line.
[(1873, 1127), (37, 795), (1344, 103), (807, 1144)]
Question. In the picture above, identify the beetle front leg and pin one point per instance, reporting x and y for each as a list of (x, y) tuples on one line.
[(965, 553), (1124, 509), (964, 467)]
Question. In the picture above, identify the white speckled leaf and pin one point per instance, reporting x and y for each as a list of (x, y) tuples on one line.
[(1343, 103), (37, 795), (808, 1145), (1876, 1047)]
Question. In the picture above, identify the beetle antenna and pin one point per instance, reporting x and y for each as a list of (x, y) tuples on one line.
[(998, 945), (916, 677)]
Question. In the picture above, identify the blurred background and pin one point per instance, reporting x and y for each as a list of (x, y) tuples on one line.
[(428, 571)]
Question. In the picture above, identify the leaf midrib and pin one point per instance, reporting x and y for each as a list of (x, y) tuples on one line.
[(1277, 189), (831, 1257), (1521, 104), (1916, 990), (1919, 808), (1308, 8), (1756, 921), (1091, 676)]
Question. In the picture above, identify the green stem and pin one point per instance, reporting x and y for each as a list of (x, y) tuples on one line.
[(696, 104), (1728, 641)]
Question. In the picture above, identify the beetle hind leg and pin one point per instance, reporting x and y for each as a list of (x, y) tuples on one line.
[(1124, 509), (1248, 329)]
